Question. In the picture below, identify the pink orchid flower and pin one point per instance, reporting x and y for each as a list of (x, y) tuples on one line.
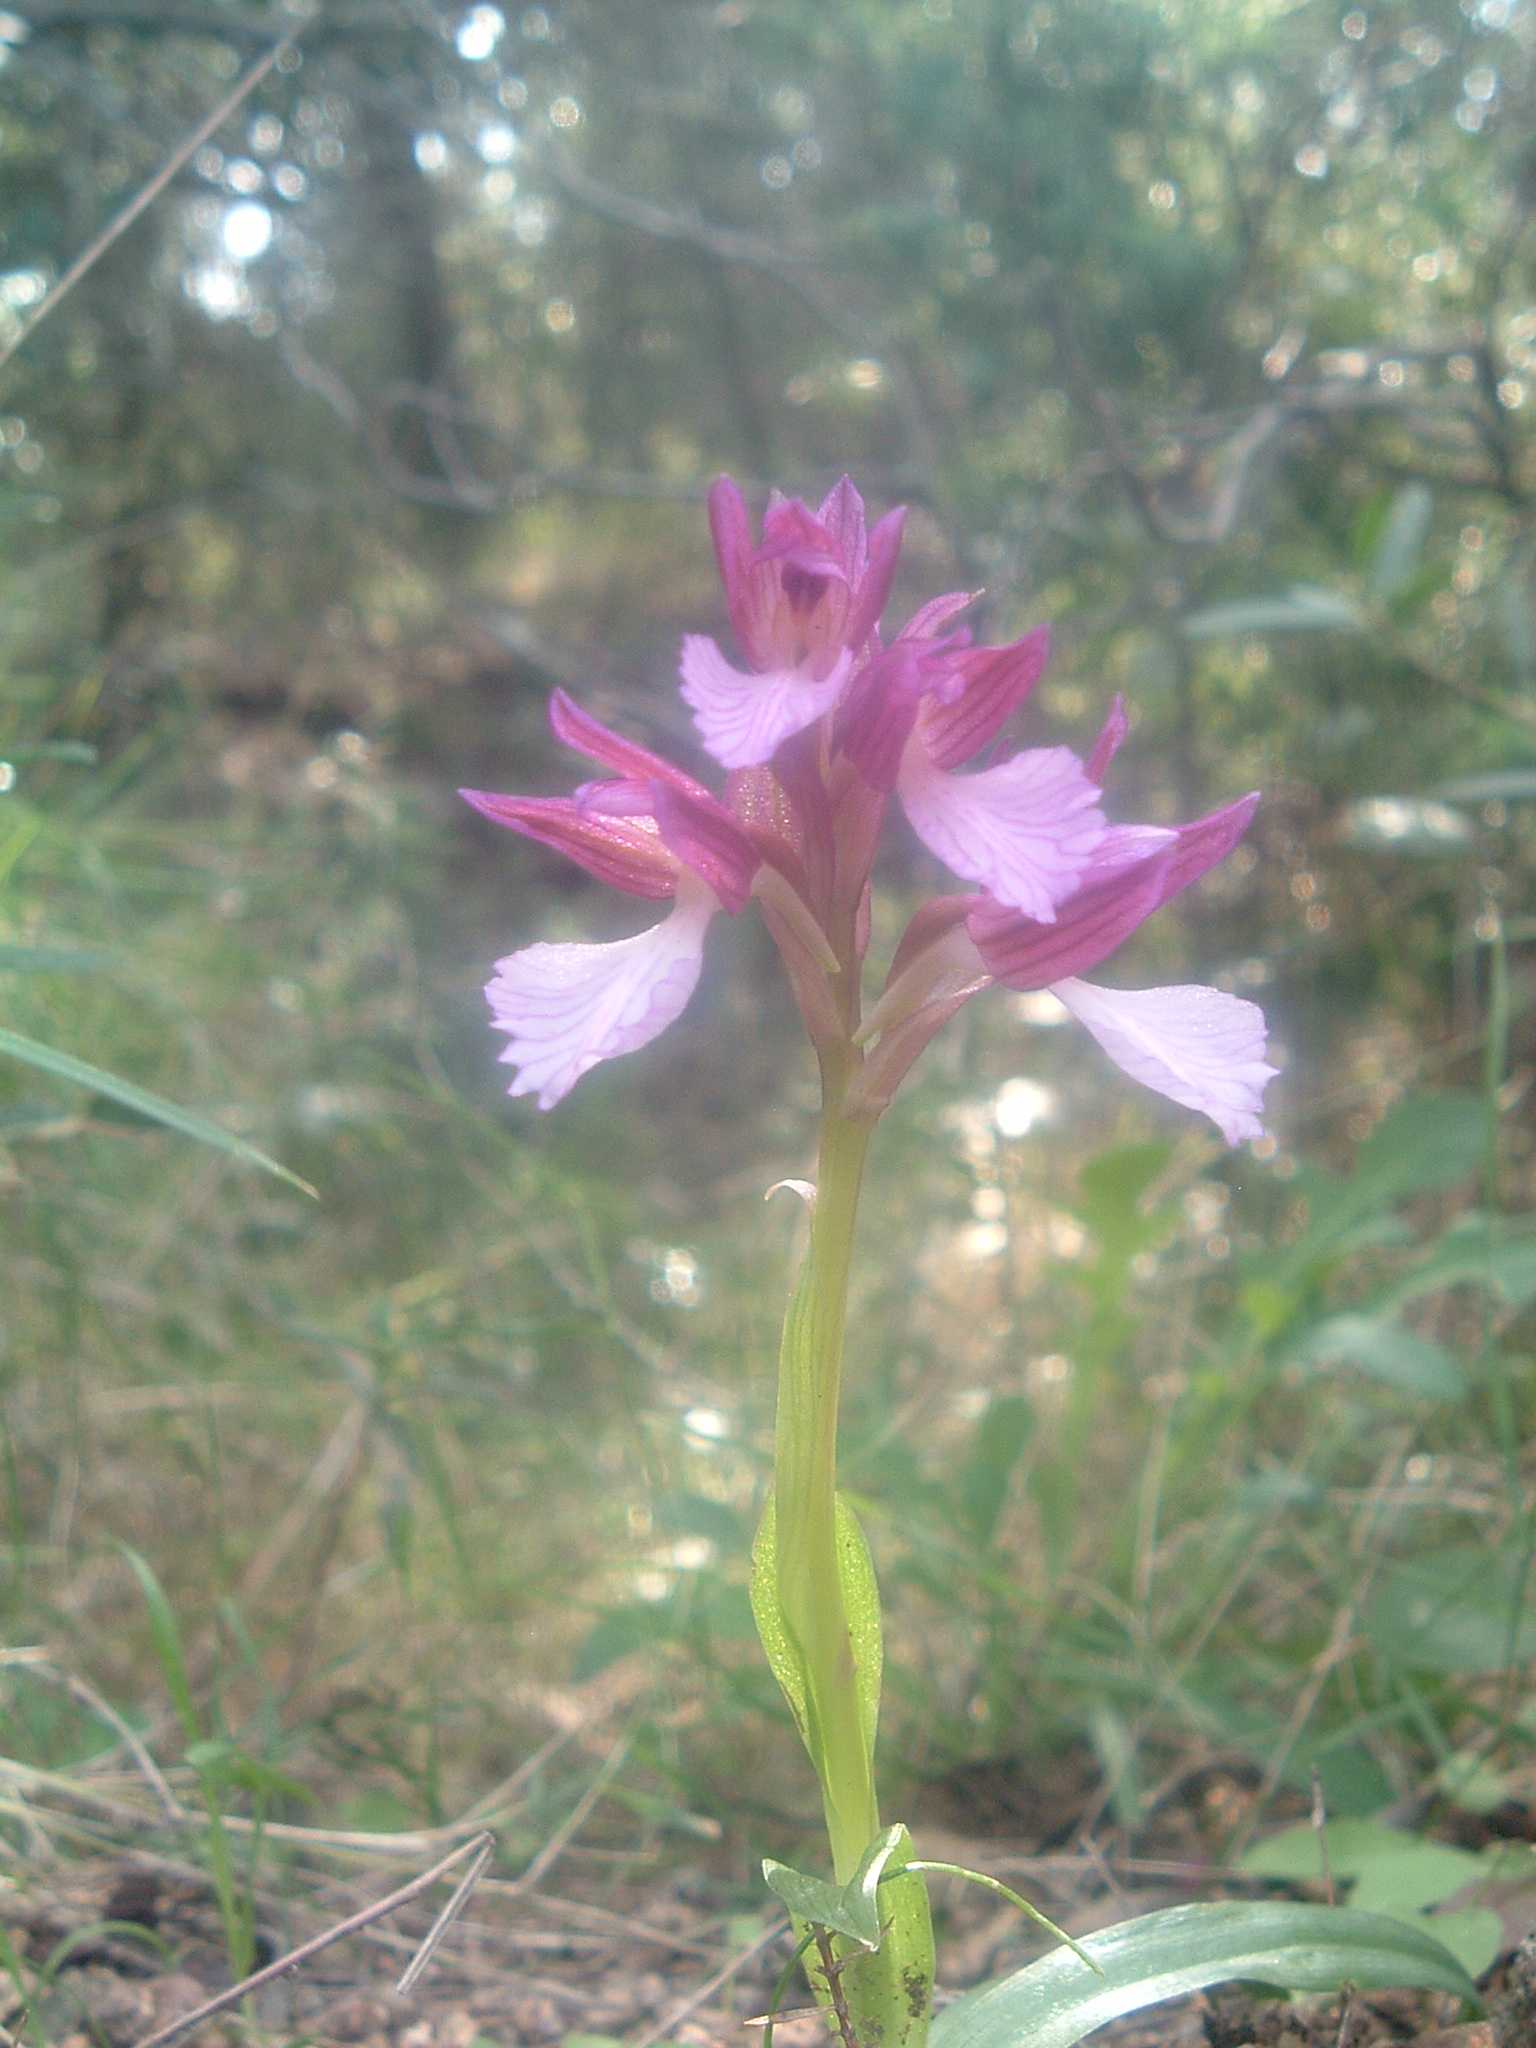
[(1025, 828), (831, 723), (1198, 1046), (649, 830), (803, 606)]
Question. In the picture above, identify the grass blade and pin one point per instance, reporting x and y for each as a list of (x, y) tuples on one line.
[(65, 1067)]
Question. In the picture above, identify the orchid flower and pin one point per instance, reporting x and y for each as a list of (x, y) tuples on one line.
[(1198, 1046), (649, 830), (803, 606), (1024, 828)]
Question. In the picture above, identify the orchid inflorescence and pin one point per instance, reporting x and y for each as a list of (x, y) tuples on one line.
[(828, 721)]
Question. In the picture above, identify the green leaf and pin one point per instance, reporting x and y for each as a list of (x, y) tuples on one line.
[(861, 1604), (1384, 1351), (166, 1632), (1463, 1610), (1405, 1873), (1302, 609), (818, 1903), (1515, 619), (1396, 555), (1002, 1432), (1391, 1872), (887, 1981), (784, 1659), (1427, 1142), (50, 960), (65, 1067), (1056, 2002), (1501, 785), (1479, 1251), (861, 1894)]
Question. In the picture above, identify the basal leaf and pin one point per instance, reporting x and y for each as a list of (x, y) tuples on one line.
[(1057, 2001)]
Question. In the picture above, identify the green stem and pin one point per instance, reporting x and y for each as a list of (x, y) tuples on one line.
[(805, 1497)]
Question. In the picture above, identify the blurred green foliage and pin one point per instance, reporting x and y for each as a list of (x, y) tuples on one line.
[(1208, 332)]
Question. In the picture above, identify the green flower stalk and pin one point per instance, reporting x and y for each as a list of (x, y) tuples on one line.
[(817, 1610), (826, 725)]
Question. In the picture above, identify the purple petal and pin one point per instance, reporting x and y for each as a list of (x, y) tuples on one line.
[(731, 532), (1024, 830), (624, 855), (565, 1008), (938, 611), (793, 536), (994, 682), (1208, 840), (841, 514), (876, 717), (1195, 1045), (587, 735), (874, 584), (705, 837), (1109, 741), (744, 719), (1095, 922)]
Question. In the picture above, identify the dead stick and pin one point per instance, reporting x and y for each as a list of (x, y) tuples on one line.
[(478, 1846), (147, 194)]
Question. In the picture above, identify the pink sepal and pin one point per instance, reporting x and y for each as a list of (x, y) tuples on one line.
[(1208, 840), (995, 681), (936, 969), (744, 719), (938, 611), (1024, 830), (892, 1059), (565, 1008), (875, 719), (1195, 1045), (707, 839), (1110, 739), (587, 735), (623, 855), (840, 515), (873, 585), (1095, 922), (731, 531)]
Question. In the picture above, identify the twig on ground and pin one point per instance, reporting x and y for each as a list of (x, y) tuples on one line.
[(478, 1848), (705, 1991), (51, 1674)]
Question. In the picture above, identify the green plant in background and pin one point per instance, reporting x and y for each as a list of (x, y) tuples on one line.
[(824, 726), (20, 824)]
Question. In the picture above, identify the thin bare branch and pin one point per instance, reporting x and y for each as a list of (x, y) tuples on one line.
[(478, 1848), (147, 194)]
